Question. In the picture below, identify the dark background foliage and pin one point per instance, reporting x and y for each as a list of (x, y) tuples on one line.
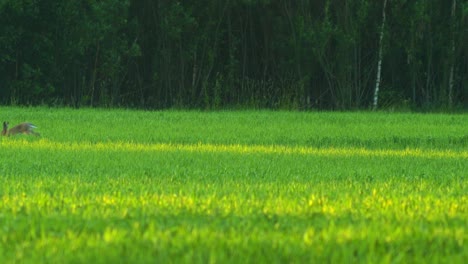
[(278, 54)]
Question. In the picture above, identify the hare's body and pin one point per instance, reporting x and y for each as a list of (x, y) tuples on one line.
[(23, 128)]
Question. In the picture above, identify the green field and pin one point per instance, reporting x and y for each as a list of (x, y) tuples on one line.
[(124, 186)]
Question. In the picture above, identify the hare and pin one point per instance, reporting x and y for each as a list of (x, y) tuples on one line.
[(23, 128)]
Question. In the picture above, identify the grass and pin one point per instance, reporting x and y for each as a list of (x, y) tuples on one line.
[(125, 186)]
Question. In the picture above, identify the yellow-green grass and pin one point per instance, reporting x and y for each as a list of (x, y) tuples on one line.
[(107, 186), (240, 149)]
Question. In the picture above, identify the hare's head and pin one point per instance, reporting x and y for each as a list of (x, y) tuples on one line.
[(5, 128)]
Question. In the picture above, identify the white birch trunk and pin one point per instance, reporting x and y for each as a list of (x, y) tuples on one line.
[(452, 57), (379, 64)]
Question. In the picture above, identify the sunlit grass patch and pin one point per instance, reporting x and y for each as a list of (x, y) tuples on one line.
[(239, 149)]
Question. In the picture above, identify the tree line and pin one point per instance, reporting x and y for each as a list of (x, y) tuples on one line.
[(279, 54)]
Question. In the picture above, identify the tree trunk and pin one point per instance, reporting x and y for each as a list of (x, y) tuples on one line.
[(379, 64), (452, 56)]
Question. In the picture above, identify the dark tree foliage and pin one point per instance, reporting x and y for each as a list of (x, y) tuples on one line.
[(277, 54)]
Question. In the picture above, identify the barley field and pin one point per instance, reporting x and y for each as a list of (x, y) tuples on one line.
[(127, 186)]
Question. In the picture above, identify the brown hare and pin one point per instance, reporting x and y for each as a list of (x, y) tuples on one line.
[(23, 128)]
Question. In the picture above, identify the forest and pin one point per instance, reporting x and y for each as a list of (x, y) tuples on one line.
[(273, 54)]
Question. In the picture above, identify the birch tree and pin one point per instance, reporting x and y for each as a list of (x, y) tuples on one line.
[(379, 63), (452, 55)]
